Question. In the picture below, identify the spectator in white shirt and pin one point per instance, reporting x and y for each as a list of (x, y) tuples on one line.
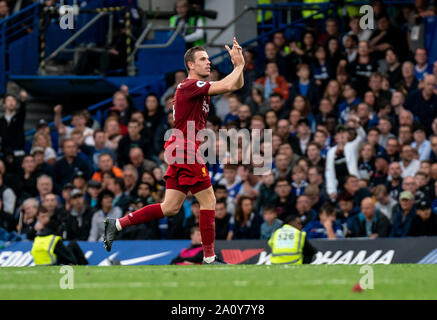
[(409, 165), (420, 143)]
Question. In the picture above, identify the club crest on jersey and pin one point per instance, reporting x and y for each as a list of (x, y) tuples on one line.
[(205, 106), (200, 84)]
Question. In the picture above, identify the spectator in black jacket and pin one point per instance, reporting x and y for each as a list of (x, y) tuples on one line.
[(121, 199), (247, 222), (78, 219), (132, 140), (425, 222), (66, 167), (306, 87), (423, 103), (223, 221), (369, 222), (12, 123)]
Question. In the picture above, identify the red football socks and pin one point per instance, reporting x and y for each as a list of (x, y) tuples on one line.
[(145, 214), (207, 232)]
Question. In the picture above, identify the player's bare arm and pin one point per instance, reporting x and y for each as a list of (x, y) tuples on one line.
[(234, 80)]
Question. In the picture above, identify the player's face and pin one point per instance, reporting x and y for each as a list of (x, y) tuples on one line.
[(202, 65)]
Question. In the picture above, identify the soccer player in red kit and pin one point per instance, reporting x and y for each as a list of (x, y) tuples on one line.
[(191, 105)]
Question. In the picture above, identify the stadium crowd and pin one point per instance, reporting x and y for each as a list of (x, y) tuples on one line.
[(354, 119)]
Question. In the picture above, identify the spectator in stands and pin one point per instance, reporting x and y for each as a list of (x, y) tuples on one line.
[(365, 162), (405, 135), (271, 222), (272, 55), (361, 69), (193, 33), (351, 99), (384, 203), (422, 103), (342, 159), (100, 140), (121, 106), (56, 212), (153, 116), (194, 253), (249, 75), (234, 106), (375, 85), (403, 215), (223, 221), (121, 199), (273, 81), (422, 68), (394, 68), (179, 76), (369, 222), (304, 86), (247, 222), (304, 210), (78, 219), (113, 132), (27, 218), (384, 126), (129, 141), (78, 122), (385, 37), (299, 182), (326, 226), (8, 197), (12, 124), (256, 100), (421, 144), (93, 189), (136, 158), (425, 222), (106, 210), (106, 165), (193, 219), (4, 10), (42, 140), (130, 178), (409, 83), (409, 165), (27, 183)]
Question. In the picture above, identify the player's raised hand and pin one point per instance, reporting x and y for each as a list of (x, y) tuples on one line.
[(236, 54)]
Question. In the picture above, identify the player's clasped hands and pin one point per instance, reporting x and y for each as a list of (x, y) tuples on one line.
[(236, 54)]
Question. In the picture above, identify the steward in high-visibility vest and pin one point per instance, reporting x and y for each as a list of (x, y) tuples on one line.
[(268, 14), (192, 35), (43, 249), (289, 245), (48, 248), (307, 12)]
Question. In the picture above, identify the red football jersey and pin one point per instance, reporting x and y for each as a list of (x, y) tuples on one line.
[(191, 103)]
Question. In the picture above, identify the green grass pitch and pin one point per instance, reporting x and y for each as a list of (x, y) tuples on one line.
[(408, 281)]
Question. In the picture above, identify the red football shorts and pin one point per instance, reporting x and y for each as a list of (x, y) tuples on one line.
[(187, 177)]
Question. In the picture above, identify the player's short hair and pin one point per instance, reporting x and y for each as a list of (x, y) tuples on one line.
[(189, 55)]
